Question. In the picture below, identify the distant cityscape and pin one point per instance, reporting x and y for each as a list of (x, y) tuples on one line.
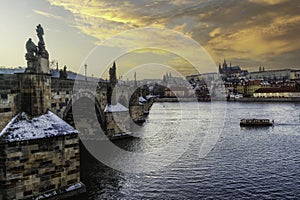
[(263, 84), (239, 84)]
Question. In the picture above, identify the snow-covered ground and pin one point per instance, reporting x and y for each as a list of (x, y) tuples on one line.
[(115, 108)]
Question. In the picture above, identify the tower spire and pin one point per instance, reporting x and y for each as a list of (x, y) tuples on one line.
[(135, 83), (85, 72)]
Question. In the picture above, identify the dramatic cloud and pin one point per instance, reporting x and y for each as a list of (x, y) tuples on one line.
[(251, 33), (270, 2)]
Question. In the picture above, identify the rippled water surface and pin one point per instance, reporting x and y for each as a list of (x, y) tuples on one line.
[(255, 163)]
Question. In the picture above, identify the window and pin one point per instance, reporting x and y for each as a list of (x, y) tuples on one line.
[(5, 110), (4, 96)]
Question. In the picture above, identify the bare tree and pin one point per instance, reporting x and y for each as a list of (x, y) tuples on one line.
[(53, 64)]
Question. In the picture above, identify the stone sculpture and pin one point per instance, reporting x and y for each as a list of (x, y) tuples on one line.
[(37, 56)]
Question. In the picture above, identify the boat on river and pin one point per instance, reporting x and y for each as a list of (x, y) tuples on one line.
[(256, 122)]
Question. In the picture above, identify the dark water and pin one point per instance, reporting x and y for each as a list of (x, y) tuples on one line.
[(254, 163)]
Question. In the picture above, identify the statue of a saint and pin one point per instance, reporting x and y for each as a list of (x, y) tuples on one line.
[(40, 33), (31, 47)]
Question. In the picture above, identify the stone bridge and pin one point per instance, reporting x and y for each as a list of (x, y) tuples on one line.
[(62, 98), (46, 146), (37, 89)]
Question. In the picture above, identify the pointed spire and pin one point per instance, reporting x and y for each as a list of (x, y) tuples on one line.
[(85, 71), (113, 75), (225, 64)]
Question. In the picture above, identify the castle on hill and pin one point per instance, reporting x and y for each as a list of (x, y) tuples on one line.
[(229, 69)]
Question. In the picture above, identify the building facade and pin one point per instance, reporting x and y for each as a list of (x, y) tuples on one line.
[(271, 75)]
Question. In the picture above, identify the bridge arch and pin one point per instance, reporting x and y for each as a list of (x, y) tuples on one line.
[(88, 94)]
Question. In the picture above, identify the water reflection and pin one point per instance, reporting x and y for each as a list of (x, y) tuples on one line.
[(256, 163)]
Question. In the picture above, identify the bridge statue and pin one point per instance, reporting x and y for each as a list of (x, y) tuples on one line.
[(31, 56), (40, 33), (31, 48), (37, 56), (41, 50)]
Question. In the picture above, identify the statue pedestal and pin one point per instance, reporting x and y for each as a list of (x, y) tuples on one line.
[(35, 93), (43, 66)]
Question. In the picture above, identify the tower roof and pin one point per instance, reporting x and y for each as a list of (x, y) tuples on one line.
[(22, 128)]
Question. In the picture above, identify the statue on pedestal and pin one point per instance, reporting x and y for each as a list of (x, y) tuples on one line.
[(63, 73), (30, 56), (31, 49), (37, 56), (41, 44), (40, 33)]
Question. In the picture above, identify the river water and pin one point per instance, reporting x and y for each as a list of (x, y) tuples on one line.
[(222, 160)]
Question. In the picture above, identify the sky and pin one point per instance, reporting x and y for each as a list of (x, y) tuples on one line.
[(249, 33)]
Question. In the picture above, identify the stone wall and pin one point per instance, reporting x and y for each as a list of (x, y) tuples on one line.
[(8, 107), (59, 102), (35, 90), (61, 94), (9, 98), (117, 123), (9, 82), (148, 105), (31, 168), (137, 112)]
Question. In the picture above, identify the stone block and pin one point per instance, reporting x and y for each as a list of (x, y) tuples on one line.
[(19, 195), (39, 166), (14, 154)]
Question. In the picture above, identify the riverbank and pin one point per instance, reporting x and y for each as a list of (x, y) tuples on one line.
[(245, 99), (252, 99), (175, 100)]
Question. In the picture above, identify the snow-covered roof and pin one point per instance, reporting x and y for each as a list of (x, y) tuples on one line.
[(73, 76), (11, 70), (115, 108), (21, 128), (142, 100), (150, 96), (54, 74)]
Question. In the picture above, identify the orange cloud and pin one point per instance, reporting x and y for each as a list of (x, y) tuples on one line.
[(269, 2), (254, 30)]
